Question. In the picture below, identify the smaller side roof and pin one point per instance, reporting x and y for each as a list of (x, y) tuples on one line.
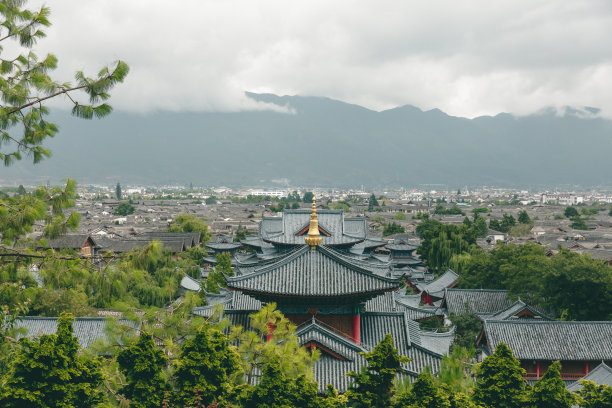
[(458, 301), (600, 375), (436, 287), (532, 339)]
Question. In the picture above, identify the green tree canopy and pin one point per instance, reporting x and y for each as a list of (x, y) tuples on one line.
[(124, 209), (49, 372), (592, 395), (424, 394), (142, 364), (549, 391), (499, 381), (190, 223), (523, 218), (308, 197), (207, 368), (276, 390), (373, 386), (570, 212), (392, 228)]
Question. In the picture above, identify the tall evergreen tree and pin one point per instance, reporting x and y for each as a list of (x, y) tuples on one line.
[(373, 386), (550, 392), (276, 390), (424, 394), (118, 191), (499, 381), (207, 367), (523, 218), (142, 364), (49, 372), (307, 198)]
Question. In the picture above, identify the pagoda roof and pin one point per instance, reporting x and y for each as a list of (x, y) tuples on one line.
[(289, 228), (401, 247), (331, 368), (317, 273), (223, 246)]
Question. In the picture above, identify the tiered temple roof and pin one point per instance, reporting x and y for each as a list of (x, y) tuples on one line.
[(320, 273)]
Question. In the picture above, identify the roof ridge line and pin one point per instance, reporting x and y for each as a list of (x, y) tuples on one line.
[(328, 252)]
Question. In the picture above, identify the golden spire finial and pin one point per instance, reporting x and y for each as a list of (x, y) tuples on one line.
[(313, 238)]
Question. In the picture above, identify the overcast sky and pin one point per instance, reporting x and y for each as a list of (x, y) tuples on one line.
[(468, 58)]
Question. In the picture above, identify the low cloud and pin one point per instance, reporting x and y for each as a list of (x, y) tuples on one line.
[(467, 58)]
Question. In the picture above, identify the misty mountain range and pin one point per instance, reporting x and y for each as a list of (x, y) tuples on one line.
[(325, 143)]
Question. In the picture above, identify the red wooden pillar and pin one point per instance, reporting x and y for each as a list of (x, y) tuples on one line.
[(270, 332), (586, 367), (538, 370), (357, 326)]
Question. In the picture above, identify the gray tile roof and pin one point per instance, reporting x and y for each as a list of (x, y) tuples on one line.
[(602, 374), (438, 342), (511, 311), (68, 241), (393, 302), (222, 245), (458, 301), (86, 329), (256, 242), (401, 246), (437, 286), (189, 238), (532, 339), (190, 284), (374, 327), (313, 273), (283, 229), (406, 337)]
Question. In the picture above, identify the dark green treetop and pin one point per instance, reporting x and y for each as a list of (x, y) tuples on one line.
[(142, 364), (49, 372), (570, 212), (523, 218), (550, 392), (592, 395), (373, 386), (499, 381), (124, 208), (207, 366), (276, 390), (307, 198), (424, 394)]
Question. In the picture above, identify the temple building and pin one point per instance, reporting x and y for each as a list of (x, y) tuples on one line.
[(537, 342), (320, 270)]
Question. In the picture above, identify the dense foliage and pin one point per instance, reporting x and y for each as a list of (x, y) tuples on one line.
[(439, 242), (373, 386), (392, 228), (49, 372), (124, 208), (442, 210), (573, 285)]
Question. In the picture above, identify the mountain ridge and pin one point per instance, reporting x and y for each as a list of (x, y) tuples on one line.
[(343, 145)]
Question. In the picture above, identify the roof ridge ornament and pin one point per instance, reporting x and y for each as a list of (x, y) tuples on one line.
[(313, 238)]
